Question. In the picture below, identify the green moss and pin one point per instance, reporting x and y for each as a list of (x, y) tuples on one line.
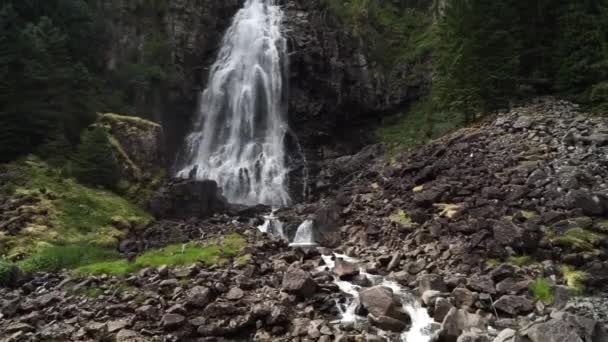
[(522, 260), (577, 238), (418, 188), (210, 253), (133, 120), (68, 213), (574, 279), (401, 217), (244, 259), (493, 262), (542, 291), (528, 214)]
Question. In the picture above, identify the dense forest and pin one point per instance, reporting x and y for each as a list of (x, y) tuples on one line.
[(56, 75)]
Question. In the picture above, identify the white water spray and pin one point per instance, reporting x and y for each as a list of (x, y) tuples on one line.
[(304, 235), (238, 138)]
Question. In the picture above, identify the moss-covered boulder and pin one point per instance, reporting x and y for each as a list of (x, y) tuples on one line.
[(138, 145)]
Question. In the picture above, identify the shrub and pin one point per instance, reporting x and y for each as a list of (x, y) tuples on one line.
[(542, 291), (95, 163)]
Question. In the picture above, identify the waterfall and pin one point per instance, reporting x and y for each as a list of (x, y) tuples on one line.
[(238, 138), (304, 235)]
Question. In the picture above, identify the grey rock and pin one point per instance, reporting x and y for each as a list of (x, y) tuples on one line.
[(198, 296), (298, 282), (431, 282), (172, 321), (514, 305)]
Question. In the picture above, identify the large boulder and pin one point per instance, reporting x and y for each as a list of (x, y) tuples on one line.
[(458, 321), (188, 198), (514, 305), (384, 308), (299, 282)]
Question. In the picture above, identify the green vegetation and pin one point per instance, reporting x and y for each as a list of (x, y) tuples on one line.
[(521, 260), (53, 258), (577, 238), (401, 217), (210, 253), (95, 164), (55, 74), (392, 31), (542, 291), (492, 52), (574, 279), (66, 211), (422, 123)]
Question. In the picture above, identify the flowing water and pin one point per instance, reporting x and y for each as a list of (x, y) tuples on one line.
[(304, 235), (421, 321), (238, 138)]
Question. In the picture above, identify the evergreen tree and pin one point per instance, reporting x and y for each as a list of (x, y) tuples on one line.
[(477, 59), (94, 162)]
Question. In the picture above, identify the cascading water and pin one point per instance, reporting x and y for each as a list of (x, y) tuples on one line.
[(304, 235), (238, 138)]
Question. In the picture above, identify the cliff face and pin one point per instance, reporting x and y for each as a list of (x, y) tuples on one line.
[(336, 93), (186, 34)]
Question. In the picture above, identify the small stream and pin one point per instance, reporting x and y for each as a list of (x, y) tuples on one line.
[(420, 330)]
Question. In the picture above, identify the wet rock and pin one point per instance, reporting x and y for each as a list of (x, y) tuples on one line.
[(299, 282), (345, 269), (380, 301), (441, 309), (388, 323)]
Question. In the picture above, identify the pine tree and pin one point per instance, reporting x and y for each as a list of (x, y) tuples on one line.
[(94, 162)]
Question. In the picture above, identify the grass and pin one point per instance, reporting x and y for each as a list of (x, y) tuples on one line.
[(55, 258), (210, 253), (69, 213), (578, 239), (520, 260), (574, 279), (541, 290)]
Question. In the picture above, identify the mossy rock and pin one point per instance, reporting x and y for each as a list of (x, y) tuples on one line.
[(578, 239)]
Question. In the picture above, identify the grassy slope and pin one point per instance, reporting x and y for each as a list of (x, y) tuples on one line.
[(66, 212)]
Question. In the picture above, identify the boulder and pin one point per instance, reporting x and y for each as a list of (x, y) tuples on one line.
[(481, 283), (345, 269), (514, 305), (431, 282), (188, 198), (299, 282), (458, 321), (555, 330), (172, 321), (380, 301), (198, 296), (464, 298)]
